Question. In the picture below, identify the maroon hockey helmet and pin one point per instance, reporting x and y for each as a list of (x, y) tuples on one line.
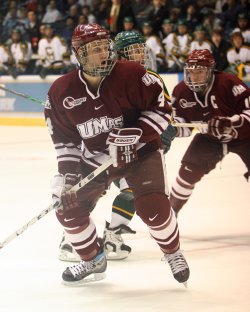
[(85, 33), (201, 57), (93, 49), (198, 70)]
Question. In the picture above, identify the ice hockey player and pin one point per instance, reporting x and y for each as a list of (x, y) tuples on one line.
[(98, 112), (130, 46), (222, 101)]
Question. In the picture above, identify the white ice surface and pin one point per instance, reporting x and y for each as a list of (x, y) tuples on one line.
[(214, 227)]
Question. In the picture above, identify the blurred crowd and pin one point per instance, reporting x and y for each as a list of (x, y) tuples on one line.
[(35, 35)]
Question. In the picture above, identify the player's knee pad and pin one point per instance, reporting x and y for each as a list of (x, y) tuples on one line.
[(190, 173), (71, 220), (123, 204), (153, 209)]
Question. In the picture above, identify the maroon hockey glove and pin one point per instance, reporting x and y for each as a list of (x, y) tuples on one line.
[(122, 145), (61, 184), (218, 126)]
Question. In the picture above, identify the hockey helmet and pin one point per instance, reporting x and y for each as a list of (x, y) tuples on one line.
[(131, 46), (198, 70), (89, 42)]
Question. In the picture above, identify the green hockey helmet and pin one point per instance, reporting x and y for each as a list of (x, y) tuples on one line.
[(126, 38)]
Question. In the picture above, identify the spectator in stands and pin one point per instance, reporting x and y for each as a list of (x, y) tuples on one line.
[(82, 19), (52, 15), (154, 44), (184, 40), (116, 15), (128, 23), (239, 55), (102, 13), (200, 41), (20, 53), (192, 16), (32, 30), (87, 12), (10, 22), (219, 49), (157, 14), (4, 56), (210, 20), (141, 9), (51, 51), (244, 26), (229, 14)]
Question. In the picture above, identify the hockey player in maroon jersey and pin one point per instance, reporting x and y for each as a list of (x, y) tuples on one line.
[(130, 46), (114, 109), (223, 102)]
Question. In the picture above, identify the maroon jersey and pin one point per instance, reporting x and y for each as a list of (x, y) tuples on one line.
[(227, 96), (80, 119)]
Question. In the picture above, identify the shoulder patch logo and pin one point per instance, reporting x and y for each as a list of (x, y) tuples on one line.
[(148, 79), (237, 90), (69, 102), (47, 103)]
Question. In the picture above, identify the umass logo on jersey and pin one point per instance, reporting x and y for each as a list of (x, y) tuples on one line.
[(69, 102)]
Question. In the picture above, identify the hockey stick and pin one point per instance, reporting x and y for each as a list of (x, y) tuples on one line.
[(75, 188), (31, 98), (190, 125)]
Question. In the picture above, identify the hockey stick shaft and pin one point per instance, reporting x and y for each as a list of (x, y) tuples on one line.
[(23, 95), (77, 187), (190, 125)]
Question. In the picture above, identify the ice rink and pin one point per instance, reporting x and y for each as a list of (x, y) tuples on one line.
[(214, 228)]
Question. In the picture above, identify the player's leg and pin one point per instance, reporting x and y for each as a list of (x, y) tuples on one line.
[(243, 150), (81, 232), (122, 212), (200, 158), (153, 207)]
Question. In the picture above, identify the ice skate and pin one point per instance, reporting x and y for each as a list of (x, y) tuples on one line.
[(179, 266), (67, 252), (114, 246), (86, 271)]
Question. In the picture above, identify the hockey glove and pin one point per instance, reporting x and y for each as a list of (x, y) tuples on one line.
[(224, 127), (122, 145), (61, 184), (167, 137)]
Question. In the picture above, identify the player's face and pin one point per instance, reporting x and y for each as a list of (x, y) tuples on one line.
[(197, 74), (136, 53), (197, 78), (97, 57)]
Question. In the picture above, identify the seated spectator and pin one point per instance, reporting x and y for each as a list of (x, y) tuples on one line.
[(20, 53), (128, 23), (116, 15), (154, 44), (184, 40), (157, 14), (4, 56), (239, 55), (82, 19), (141, 9), (52, 15), (192, 16), (244, 26), (87, 12), (219, 49), (200, 41), (32, 30), (210, 20), (51, 50)]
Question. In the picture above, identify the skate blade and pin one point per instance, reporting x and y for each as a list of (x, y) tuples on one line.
[(95, 277), (185, 284)]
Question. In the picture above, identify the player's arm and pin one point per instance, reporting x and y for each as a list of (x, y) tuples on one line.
[(236, 126), (65, 138), (154, 106)]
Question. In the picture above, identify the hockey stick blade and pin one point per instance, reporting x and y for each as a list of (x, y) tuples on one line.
[(75, 188)]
